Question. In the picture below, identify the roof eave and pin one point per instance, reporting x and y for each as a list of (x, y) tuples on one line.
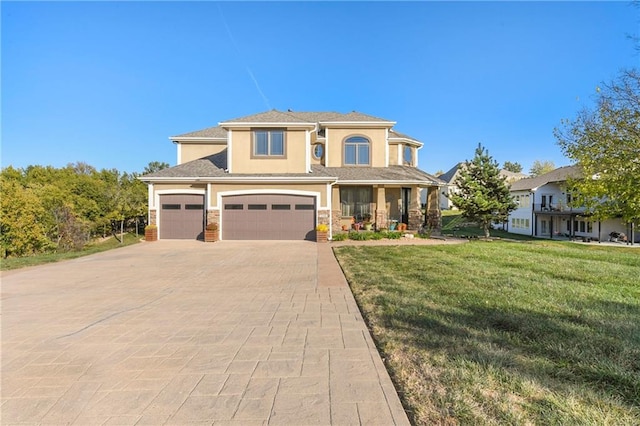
[(239, 124), (243, 179), (411, 141), (352, 124), (388, 182), (196, 139)]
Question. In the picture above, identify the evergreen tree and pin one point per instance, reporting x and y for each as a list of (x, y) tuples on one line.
[(512, 167), (483, 195)]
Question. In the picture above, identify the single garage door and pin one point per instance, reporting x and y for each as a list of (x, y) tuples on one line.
[(268, 217), (181, 216)]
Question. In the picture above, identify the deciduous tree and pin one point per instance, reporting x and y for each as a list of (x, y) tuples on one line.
[(483, 195), (605, 143), (541, 167)]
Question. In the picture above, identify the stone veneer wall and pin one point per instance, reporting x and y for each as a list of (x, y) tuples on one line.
[(323, 217), (336, 216), (381, 219), (415, 219), (153, 217), (213, 216), (434, 221)]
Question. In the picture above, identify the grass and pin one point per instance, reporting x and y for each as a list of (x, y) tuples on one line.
[(497, 332), (40, 259), (453, 224)]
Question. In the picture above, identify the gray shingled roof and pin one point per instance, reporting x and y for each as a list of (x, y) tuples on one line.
[(448, 176), (369, 174), (275, 116), (558, 175), (210, 132), (215, 165)]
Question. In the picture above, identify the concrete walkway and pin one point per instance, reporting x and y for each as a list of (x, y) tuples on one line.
[(183, 332)]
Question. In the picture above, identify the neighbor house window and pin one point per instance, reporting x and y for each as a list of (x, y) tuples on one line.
[(268, 143), (355, 201), (356, 151)]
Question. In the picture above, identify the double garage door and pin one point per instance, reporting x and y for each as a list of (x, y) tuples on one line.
[(268, 217), (244, 217)]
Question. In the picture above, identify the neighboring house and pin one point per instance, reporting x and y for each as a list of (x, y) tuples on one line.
[(276, 175), (450, 187), (545, 209)]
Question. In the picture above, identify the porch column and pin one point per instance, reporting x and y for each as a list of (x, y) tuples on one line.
[(380, 198), (433, 212), (336, 212), (415, 209)]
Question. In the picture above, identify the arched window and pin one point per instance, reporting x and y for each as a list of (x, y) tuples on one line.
[(356, 151)]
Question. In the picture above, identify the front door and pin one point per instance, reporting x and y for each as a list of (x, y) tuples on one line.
[(406, 199)]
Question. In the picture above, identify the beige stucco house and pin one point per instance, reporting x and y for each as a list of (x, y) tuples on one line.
[(276, 175)]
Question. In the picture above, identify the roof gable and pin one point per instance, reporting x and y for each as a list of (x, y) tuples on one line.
[(558, 175)]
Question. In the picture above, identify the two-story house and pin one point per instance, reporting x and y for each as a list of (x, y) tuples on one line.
[(276, 175), (545, 209)]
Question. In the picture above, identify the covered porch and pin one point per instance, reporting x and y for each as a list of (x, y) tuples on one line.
[(384, 206)]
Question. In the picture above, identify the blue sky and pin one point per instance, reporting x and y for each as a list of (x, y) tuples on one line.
[(108, 82)]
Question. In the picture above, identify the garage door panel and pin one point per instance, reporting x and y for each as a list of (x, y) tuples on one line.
[(182, 216), (268, 217)]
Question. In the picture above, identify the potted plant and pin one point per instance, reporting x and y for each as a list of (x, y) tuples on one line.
[(402, 227), (322, 231), (211, 233), (151, 233), (366, 222)]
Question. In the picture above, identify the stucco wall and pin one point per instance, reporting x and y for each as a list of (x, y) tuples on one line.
[(217, 188), (335, 149), (292, 162), (190, 152)]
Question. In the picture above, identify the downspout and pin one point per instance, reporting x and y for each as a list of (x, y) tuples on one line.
[(534, 223), (308, 149)]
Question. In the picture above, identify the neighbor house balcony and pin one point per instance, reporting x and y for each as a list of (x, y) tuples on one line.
[(557, 209)]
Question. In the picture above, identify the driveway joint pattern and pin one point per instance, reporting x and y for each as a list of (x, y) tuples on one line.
[(183, 332)]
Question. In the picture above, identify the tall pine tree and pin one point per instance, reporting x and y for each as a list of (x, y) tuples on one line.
[(483, 195)]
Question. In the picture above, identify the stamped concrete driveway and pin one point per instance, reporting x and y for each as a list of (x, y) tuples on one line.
[(182, 332)]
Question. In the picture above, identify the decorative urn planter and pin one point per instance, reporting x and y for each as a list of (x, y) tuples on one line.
[(151, 233), (211, 233)]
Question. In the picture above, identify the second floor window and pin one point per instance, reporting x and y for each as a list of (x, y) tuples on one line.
[(408, 156), (268, 143), (356, 151)]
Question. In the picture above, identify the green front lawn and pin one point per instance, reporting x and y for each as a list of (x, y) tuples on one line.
[(95, 247), (505, 332)]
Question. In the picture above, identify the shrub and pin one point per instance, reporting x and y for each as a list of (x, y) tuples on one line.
[(360, 236), (394, 235), (377, 236), (340, 236)]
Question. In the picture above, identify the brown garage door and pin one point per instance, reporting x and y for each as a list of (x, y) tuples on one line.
[(181, 216), (268, 217)]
